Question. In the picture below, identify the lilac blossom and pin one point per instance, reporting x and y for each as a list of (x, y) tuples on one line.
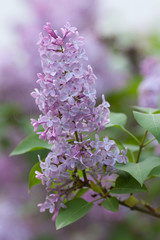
[(16, 75), (67, 99)]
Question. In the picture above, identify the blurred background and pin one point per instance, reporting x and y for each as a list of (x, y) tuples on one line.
[(119, 36)]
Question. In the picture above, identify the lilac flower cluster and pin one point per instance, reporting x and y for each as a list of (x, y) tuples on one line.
[(67, 100), (149, 89)]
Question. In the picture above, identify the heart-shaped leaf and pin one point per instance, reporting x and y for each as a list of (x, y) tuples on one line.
[(117, 119), (76, 209), (146, 110), (127, 184), (31, 143), (155, 172), (32, 176), (150, 122), (111, 204), (140, 170)]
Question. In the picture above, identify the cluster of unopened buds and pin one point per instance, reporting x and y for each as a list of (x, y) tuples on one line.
[(67, 99)]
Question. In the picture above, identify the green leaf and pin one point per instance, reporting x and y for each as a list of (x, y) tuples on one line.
[(127, 184), (32, 176), (117, 119), (81, 192), (76, 209), (150, 122), (140, 170), (155, 172), (111, 204), (146, 110), (31, 143)]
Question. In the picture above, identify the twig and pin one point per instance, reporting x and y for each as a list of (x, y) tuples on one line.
[(141, 146), (136, 208)]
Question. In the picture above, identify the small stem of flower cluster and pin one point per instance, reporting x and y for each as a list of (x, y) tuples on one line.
[(76, 134), (85, 177), (62, 49), (83, 171)]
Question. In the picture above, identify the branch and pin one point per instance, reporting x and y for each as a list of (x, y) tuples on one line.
[(154, 214)]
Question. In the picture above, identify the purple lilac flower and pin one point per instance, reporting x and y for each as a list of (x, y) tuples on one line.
[(67, 98), (149, 89), (16, 75)]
